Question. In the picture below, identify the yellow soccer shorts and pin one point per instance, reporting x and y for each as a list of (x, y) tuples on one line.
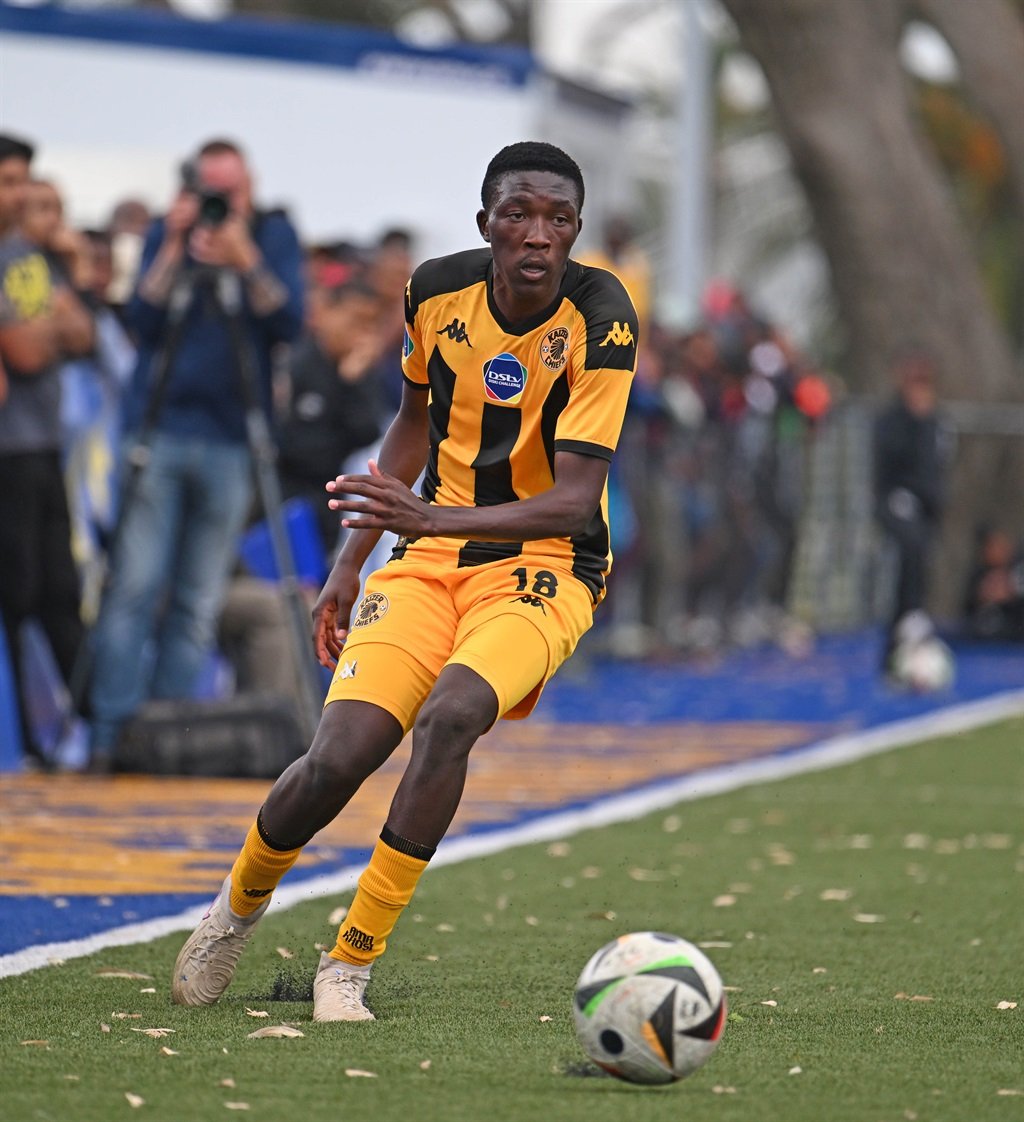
[(512, 623)]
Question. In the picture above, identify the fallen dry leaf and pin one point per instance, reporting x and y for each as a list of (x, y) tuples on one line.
[(124, 974), (867, 917), (284, 952), (444, 927), (718, 1089), (275, 1030), (901, 996), (712, 944), (156, 1033), (321, 947), (672, 824), (134, 1100), (726, 900), (358, 1073), (229, 1082), (773, 1004), (531, 921), (590, 872), (797, 1070), (256, 1012), (237, 1106), (148, 989), (1007, 1005), (820, 970), (127, 1016), (36, 1043), (432, 957), (424, 1065), (337, 915), (559, 849), (544, 1018), (104, 1027), (835, 894), (646, 875), (1009, 1091), (165, 1051)]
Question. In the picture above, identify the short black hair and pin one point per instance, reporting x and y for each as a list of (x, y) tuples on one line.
[(530, 155), (13, 147)]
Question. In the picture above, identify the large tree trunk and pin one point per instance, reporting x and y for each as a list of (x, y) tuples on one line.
[(901, 263)]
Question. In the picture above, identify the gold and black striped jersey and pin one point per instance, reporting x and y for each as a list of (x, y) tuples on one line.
[(504, 398)]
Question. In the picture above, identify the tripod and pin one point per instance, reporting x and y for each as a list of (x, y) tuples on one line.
[(224, 287)]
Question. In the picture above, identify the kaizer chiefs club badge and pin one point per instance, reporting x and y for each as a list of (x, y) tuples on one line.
[(372, 607), (554, 349)]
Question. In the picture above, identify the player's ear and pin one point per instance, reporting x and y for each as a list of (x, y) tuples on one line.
[(481, 224)]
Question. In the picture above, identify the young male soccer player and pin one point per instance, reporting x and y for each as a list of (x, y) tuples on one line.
[(517, 364)]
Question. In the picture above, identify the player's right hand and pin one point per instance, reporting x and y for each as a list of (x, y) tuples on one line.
[(332, 611)]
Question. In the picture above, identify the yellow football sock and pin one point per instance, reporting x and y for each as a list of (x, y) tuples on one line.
[(257, 870), (386, 886)]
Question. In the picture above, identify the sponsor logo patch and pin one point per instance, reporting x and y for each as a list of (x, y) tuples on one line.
[(504, 379), (554, 348), (372, 607), (408, 346)]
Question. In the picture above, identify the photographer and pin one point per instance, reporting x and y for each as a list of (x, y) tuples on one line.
[(180, 528)]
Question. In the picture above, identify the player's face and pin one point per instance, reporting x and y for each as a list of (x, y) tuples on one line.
[(531, 225)]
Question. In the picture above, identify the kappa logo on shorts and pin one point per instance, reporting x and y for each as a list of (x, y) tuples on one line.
[(554, 348), (371, 608), (532, 601)]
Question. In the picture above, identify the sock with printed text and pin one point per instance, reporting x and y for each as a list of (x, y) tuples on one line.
[(258, 869), (385, 888)]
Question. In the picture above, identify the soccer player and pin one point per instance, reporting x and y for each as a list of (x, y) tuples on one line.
[(517, 364)]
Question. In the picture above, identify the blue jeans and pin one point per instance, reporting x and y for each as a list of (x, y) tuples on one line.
[(168, 577)]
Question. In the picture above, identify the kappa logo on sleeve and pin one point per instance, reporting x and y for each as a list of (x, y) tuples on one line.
[(620, 335)]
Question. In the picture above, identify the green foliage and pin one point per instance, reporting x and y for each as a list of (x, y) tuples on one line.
[(868, 918)]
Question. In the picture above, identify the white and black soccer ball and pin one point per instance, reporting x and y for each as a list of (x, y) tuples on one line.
[(649, 1008), (926, 666)]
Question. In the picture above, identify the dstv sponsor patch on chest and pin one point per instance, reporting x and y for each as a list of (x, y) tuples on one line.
[(504, 379)]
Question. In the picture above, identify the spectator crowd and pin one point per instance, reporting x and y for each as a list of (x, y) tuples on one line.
[(126, 445)]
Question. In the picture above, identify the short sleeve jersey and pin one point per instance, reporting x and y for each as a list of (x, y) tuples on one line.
[(504, 398), (30, 416)]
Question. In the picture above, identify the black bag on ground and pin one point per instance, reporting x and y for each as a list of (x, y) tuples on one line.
[(247, 736)]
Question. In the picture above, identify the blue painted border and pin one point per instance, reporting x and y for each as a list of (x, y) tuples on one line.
[(333, 45)]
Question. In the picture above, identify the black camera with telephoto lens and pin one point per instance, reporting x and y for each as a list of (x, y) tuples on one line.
[(214, 206)]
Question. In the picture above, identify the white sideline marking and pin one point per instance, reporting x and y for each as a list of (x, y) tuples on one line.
[(825, 754)]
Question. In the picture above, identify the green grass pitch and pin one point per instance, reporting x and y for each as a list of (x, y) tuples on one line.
[(869, 921)]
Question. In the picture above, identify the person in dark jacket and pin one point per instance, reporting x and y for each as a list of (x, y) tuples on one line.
[(179, 534), (913, 447)]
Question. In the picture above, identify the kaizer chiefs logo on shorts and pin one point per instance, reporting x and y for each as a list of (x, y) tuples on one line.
[(554, 349), (371, 608)]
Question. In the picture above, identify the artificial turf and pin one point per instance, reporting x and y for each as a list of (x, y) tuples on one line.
[(868, 920)]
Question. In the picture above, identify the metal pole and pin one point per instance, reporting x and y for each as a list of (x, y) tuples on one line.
[(689, 201)]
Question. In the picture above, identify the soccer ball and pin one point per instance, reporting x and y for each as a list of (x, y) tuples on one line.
[(926, 666), (649, 1008)]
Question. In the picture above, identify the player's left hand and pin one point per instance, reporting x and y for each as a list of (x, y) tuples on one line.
[(382, 503)]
